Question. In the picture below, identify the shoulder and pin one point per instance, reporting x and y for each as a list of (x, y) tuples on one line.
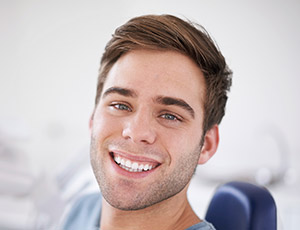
[(84, 213), (204, 225)]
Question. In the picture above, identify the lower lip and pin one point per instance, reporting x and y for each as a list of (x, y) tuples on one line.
[(126, 173)]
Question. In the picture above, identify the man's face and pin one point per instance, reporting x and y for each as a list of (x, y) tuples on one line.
[(147, 128)]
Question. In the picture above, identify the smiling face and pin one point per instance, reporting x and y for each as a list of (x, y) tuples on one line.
[(147, 128)]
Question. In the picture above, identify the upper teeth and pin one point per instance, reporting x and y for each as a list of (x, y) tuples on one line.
[(132, 166)]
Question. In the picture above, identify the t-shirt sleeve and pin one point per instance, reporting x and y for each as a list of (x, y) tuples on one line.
[(84, 214)]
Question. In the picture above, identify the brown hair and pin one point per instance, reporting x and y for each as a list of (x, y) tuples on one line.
[(167, 32)]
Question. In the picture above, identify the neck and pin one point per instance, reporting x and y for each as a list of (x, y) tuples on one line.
[(173, 213)]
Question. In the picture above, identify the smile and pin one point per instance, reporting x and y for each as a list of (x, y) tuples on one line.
[(133, 166)]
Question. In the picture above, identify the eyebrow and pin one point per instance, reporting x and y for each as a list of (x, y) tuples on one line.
[(176, 101), (118, 90)]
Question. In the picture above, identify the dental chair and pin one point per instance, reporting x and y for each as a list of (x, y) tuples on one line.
[(242, 206)]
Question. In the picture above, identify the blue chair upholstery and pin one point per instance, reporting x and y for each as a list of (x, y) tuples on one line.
[(242, 206)]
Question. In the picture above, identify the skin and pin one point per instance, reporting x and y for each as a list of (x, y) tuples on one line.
[(150, 111)]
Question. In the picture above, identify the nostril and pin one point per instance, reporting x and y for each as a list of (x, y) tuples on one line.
[(139, 134), (140, 127)]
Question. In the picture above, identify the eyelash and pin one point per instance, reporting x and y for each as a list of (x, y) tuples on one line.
[(167, 116), (170, 117), (118, 106)]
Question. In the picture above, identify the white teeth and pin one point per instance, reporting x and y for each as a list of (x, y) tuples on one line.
[(141, 167), (132, 166), (135, 166), (118, 159), (128, 164), (122, 162), (146, 167)]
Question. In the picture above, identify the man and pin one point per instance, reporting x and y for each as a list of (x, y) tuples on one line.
[(161, 94)]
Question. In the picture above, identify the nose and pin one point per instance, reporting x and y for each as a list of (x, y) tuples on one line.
[(139, 128)]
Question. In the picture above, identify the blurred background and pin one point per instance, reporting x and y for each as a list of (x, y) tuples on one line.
[(50, 53)]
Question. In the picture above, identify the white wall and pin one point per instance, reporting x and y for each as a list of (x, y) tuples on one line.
[(50, 51)]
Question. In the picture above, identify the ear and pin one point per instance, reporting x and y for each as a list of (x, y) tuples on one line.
[(91, 122), (210, 145)]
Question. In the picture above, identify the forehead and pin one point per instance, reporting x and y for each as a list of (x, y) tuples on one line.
[(151, 73)]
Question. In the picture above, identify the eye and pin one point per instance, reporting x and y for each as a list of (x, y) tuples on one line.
[(170, 117), (120, 106)]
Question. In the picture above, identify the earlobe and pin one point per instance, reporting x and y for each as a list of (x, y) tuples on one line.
[(210, 145)]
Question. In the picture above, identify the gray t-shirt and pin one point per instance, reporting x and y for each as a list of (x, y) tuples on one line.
[(86, 212)]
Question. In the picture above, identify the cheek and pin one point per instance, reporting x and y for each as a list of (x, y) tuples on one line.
[(181, 143), (104, 125)]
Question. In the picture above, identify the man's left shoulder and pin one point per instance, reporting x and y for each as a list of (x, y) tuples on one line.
[(203, 225), (85, 213)]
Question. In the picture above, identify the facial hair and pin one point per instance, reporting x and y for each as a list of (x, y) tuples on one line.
[(126, 194)]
